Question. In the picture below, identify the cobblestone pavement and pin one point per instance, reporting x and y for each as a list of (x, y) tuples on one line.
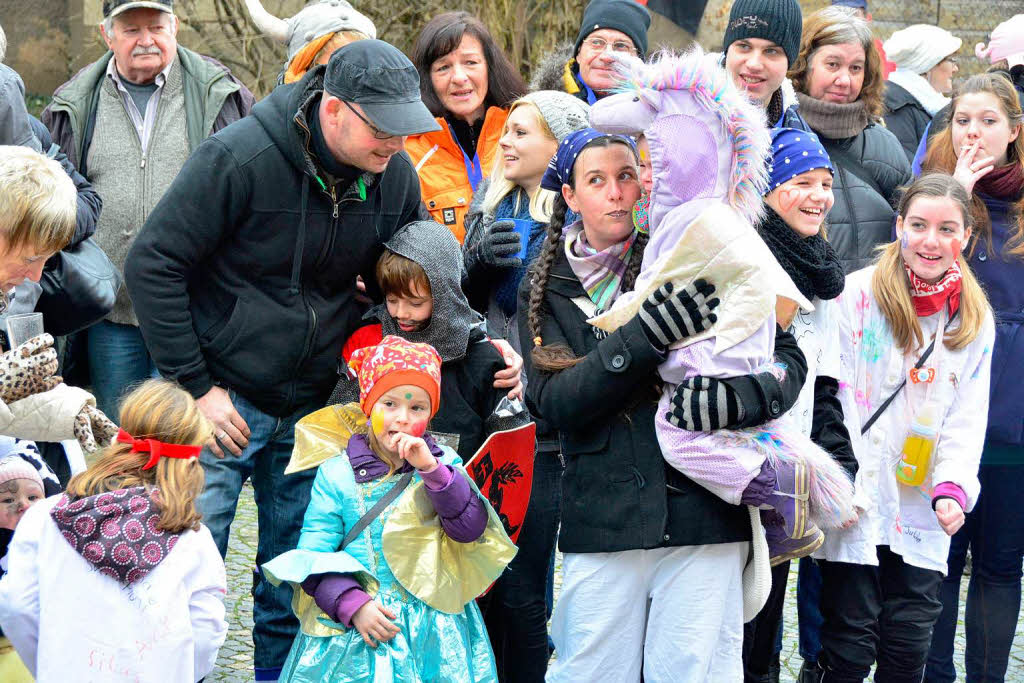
[(235, 662)]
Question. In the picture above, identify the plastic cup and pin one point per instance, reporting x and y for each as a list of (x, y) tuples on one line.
[(523, 228), (22, 327)]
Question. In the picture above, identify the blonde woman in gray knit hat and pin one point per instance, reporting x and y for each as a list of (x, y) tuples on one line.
[(505, 228), (925, 58)]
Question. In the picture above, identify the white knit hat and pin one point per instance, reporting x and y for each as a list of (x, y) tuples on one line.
[(13, 467), (920, 47)]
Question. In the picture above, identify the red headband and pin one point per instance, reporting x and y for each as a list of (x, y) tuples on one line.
[(157, 449)]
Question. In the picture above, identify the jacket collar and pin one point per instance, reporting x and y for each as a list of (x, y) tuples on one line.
[(561, 279)]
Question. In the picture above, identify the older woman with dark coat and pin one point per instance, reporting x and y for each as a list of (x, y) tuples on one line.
[(838, 79)]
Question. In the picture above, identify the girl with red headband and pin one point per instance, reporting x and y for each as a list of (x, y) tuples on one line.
[(124, 541)]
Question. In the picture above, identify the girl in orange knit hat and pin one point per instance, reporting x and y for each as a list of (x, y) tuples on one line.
[(396, 542)]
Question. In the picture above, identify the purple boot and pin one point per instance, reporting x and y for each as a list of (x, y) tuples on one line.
[(790, 498), (782, 548)]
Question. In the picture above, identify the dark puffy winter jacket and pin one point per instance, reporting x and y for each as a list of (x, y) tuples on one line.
[(905, 118), (870, 169)]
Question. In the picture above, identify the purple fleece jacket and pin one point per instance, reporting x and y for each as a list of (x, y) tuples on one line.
[(463, 518)]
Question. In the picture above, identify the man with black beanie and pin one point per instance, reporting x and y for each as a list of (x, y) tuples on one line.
[(762, 40), (609, 27)]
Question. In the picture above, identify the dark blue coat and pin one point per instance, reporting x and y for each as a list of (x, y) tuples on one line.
[(1001, 278)]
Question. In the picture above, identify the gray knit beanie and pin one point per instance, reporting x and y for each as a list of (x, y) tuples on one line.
[(562, 112), (779, 21)]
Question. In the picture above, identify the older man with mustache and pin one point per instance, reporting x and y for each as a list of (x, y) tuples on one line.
[(128, 121)]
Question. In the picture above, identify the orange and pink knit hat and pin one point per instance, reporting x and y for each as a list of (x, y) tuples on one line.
[(392, 363)]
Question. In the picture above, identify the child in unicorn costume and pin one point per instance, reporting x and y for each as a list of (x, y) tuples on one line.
[(708, 147)]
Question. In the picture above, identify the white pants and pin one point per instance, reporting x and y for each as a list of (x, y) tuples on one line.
[(676, 614)]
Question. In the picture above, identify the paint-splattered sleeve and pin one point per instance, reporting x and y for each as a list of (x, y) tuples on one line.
[(958, 452)]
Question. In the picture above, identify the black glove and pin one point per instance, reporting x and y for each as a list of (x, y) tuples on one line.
[(496, 247), (704, 404), (668, 317)]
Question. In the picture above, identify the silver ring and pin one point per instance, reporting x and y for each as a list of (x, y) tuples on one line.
[(222, 436)]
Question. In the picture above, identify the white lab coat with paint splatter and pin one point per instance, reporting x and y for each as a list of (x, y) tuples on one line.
[(69, 622), (871, 367)]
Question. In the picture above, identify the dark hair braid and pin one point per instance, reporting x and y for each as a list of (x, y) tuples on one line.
[(635, 259)]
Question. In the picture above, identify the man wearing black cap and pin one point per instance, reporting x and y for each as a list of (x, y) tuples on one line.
[(244, 280), (609, 27)]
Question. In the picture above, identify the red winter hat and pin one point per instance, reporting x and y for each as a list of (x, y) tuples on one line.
[(392, 363)]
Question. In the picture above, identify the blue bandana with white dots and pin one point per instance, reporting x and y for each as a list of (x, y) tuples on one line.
[(560, 167), (795, 152)]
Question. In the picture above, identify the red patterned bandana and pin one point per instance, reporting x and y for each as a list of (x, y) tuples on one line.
[(929, 299)]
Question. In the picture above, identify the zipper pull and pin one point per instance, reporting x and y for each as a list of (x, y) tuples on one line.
[(334, 198), (142, 163)]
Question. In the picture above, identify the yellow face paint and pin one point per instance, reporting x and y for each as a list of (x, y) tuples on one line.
[(377, 422)]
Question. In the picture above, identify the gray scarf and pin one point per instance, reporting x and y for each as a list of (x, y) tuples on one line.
[(831, 120)]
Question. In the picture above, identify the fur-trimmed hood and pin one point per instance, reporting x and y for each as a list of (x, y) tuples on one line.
[(550, 72)]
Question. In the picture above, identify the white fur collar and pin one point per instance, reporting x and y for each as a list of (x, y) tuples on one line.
[(918, 86)]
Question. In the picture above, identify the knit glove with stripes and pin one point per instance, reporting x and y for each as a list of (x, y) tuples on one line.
[(704, 404), (669, 316)]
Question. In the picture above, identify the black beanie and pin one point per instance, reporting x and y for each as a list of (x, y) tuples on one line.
[(779, 21), (627, 16)]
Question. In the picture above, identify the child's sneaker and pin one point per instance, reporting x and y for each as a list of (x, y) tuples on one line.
[(790, 498), (782, 548)]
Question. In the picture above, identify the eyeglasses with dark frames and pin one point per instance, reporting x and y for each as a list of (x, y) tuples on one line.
[(377, 132)]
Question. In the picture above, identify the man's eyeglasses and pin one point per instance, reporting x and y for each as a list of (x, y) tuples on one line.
[(377, 132), (620, 46)]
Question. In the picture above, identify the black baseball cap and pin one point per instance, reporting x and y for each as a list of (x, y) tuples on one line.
[(383, 82), (111, 8)]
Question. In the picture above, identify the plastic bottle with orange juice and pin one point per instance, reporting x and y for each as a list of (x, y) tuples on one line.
[(916, 457)]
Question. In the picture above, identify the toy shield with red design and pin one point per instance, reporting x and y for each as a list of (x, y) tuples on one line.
[(503, 471)]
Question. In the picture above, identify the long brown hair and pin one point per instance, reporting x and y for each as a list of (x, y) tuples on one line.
[(891, 286), (442, 35), (837, 25), (158, 409), (556, 357), (942, 157)]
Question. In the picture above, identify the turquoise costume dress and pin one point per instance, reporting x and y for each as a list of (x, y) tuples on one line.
[(431, 645)]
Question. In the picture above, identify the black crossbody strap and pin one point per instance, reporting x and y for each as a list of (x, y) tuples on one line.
[(917, 366), (378, 507)]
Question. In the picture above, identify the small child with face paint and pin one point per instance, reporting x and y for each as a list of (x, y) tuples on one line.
[(376, 606), (892, 561)]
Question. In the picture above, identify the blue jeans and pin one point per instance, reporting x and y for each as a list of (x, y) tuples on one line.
[(281, 504), (994, 532), (118, 360), (808, 608)]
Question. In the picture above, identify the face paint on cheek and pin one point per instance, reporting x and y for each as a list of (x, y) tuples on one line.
[(904, 240), (956, 247), (377, 422), (417, 429), (790, 197)]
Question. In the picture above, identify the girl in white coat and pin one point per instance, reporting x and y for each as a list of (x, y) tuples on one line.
[(881, 576), (117, 579)]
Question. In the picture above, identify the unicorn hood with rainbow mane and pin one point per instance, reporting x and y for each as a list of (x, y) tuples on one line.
[(708, 149)]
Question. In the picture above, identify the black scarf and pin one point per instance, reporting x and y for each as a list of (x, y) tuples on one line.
[(810, 262)]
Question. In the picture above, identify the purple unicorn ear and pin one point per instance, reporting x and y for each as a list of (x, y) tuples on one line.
[(626, 113)]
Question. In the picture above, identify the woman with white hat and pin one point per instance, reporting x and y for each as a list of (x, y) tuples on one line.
[(925, 58)]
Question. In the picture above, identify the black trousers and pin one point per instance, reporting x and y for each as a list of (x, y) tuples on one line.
[(515, 610), (760, 634), (884, 614)]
